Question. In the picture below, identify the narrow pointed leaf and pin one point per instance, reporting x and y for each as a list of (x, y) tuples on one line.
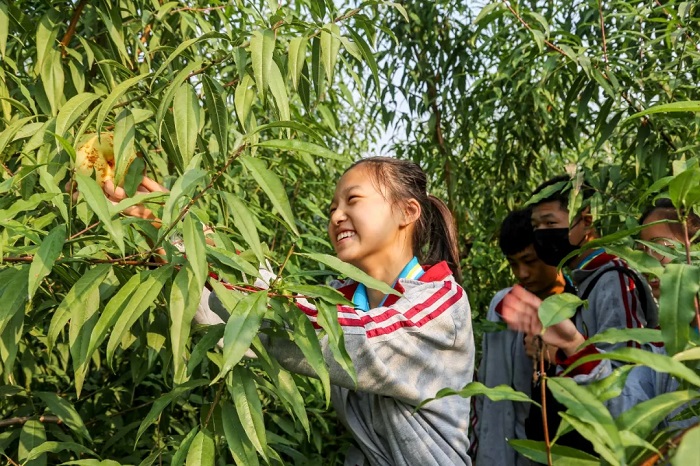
[(124, 142), (262, 45), (301, 146), (296, 58), (85, 286), (644, 417), (201, 451), (243, 390), (218, 113), (328, 320), (195, 248), (351, 271), (238, 443), (65, 412), (33, 434), (114, 96), (330, 46), (561, 455), (98, 203), (244, 222), (184, 299), (498, 393), (242, 325), (306, 339), (45, 257), (186, 114), (273, 187), (72, 110), (278, 88)]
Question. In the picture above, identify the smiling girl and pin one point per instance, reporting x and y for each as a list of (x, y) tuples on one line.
[(404, 349)]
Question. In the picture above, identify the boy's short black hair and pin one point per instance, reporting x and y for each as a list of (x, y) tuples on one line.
[(562, 185), (516, 232)]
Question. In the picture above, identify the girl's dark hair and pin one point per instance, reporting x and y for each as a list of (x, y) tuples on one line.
[(404, 180), (664, 208)]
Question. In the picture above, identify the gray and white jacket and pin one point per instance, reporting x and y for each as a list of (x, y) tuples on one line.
[(403, 353)]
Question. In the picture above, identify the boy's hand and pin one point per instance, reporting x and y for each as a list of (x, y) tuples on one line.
[(520, 313)]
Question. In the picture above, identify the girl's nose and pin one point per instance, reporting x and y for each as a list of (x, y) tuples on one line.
[(337, 216)]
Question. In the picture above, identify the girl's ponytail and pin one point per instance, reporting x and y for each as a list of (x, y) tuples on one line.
[(403, 180), (442, 234)]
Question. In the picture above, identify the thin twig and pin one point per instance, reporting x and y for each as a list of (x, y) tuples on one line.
[(199, 10), (524, 23), (7, 169), (222, 384), (543, 393), (84, 231), (10, 460), (23, 419), (71, 28), (602, 28)]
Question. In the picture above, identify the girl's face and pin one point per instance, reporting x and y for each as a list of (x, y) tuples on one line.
[(662, 235), (366, 229)]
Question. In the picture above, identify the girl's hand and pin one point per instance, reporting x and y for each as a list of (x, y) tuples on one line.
[(115, 194)]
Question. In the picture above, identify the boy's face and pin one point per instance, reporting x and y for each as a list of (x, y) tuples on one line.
[(531, 272), (553, 215)]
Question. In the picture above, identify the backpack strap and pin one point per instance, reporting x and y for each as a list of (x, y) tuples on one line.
[(638, 284)]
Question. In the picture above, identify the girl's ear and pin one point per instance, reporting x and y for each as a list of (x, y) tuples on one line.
[(411, 212)]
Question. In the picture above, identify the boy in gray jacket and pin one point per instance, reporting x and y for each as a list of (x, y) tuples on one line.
[(504, 357)]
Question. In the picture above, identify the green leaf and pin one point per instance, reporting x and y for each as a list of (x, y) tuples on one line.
[(242, 325), (319, 291), (53, 79), (557, 308), (86, 286), (622, 335), (241, 386), (674, 107), (273, 187), (243, 100), (233, 260), (174, 86), (330, 46), (658, 362), (208, 341), (683, 187), (65, 412), (306, 339), (162, 402), (4, 28), (56, 447), (485, 11), (186, 114), (680, 284), (244, 222), (687, 451), (184, 299), (10, 131), (262, 45), (561, 455), (296, 58), (688, 355), (114, 96), (278, 89), (97, 201), (112, 21), (301, 146), (201, 451), (352, 272), (33, 434), (196, 248), (369, 57), (72, 110), (218, 113), (182, 187), (328, 320), (45, 257), (498, 393), (124, 140), (643, 418), (127, 306), (184, 46), (184, 448), (238, 442), (585, 406)]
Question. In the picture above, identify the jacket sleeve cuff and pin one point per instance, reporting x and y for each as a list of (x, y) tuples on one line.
[(585, 368)]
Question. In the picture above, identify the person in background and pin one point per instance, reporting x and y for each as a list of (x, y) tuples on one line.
[(505, 358), (665, 234)]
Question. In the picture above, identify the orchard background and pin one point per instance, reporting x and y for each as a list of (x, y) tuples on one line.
[(249, 112)]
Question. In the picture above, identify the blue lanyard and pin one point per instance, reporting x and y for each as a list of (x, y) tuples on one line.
[(589, 258), (412, 271)]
